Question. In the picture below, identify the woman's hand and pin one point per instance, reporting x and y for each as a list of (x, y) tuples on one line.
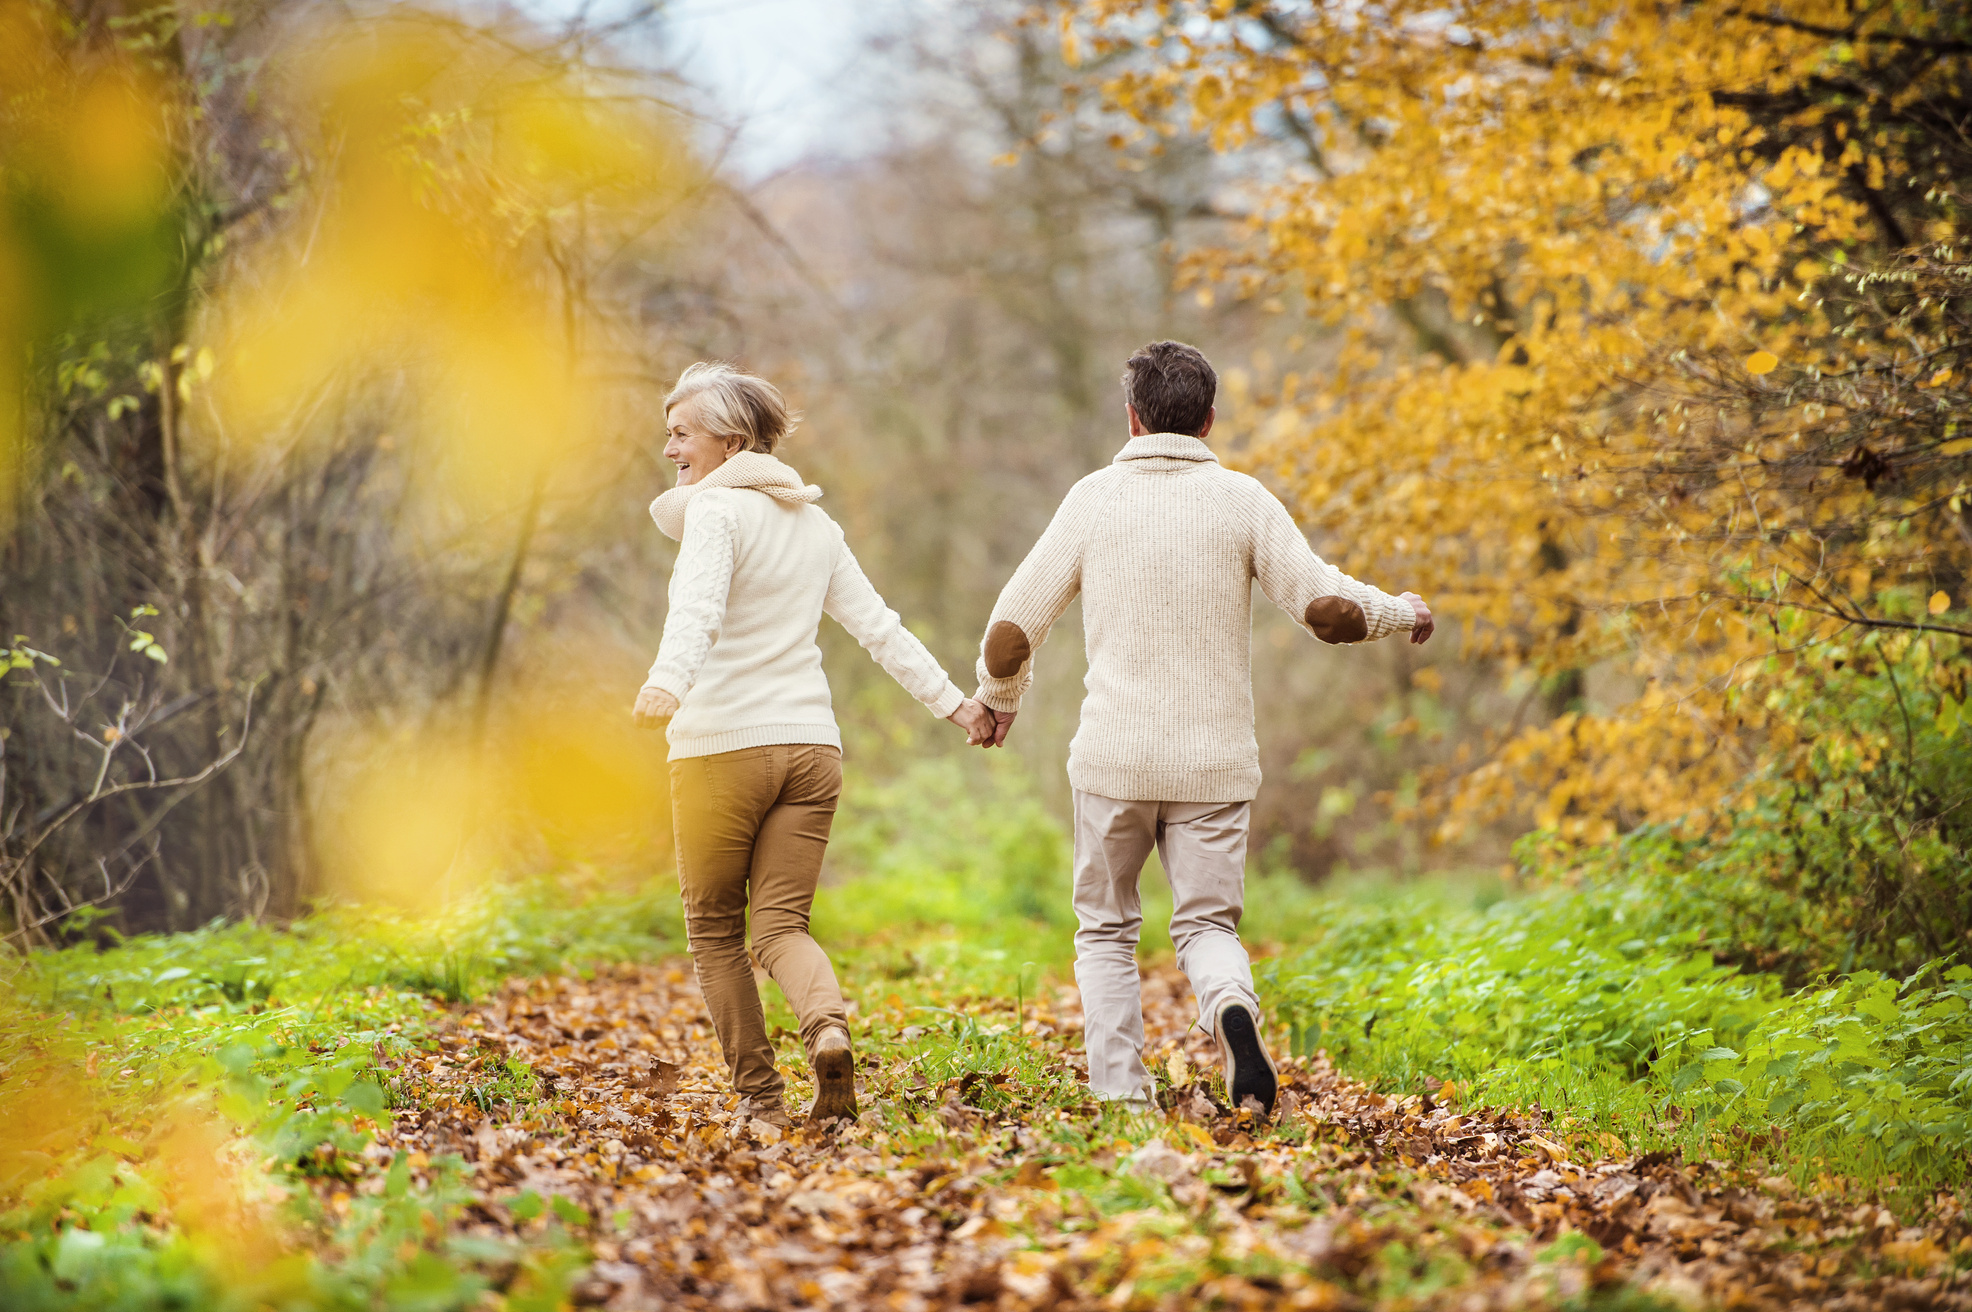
[(976, 720), (654, 707)]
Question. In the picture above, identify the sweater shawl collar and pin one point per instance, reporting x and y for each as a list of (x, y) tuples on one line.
[(1165, 446), (748, 469)]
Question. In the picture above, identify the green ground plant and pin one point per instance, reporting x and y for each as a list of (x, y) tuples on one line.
[(1856, 858), (1609, 1005), (128, 1061), (1867, 1071), (134, 1064), (1578, 1001), (964, 852)]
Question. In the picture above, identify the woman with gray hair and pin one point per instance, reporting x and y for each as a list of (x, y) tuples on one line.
[(756, 758)]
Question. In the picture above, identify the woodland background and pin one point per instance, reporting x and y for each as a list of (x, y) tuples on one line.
[(1632, 335), (949, 313)]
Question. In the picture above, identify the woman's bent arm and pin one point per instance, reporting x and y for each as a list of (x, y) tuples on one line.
[(700, 584), (855, 605)]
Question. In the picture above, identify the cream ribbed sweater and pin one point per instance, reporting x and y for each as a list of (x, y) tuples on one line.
[(1164, 546), (758, 567)]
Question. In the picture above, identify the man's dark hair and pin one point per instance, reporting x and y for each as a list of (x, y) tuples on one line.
[(1172, 386)]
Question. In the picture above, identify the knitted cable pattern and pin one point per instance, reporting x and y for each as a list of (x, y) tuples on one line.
[(754, 576), (1164, 546)]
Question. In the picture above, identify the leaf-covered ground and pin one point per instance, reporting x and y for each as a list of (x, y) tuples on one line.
[(979, 1175)]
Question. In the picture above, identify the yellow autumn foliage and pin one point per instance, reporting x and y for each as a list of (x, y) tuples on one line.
[(456, 178), (1636, 300)]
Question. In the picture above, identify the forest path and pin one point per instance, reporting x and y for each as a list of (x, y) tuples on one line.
[(984, 1190)]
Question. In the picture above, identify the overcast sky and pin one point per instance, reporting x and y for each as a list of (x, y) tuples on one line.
[(786, 72)]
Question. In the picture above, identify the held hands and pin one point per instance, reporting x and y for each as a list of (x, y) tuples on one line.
[(976, 720), (1421, 632), (984, 726), (654, 707)]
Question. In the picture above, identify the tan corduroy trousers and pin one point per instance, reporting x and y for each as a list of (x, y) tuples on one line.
[(752, 826)]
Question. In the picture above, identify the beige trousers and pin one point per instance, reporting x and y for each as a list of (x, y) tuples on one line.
[(752, 826), (1203, 848)]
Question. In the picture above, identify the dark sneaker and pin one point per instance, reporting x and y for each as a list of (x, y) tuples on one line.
[(835, 1079), (1250, 1072)]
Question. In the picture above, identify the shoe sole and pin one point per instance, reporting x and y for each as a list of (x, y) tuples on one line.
[(835, 1086), (1252, 1074)]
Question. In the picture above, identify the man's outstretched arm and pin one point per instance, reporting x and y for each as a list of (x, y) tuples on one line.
[(1320, 597), (1031, 602)]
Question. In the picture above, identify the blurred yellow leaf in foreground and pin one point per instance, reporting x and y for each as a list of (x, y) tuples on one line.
[(438, 255)]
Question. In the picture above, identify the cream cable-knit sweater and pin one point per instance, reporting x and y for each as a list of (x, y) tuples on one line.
[(758, 567), (1164, 546)]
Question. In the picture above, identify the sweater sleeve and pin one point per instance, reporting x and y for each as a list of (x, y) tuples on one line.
[(700, 583), (1320, 597), (853, 602), (1031, 602)]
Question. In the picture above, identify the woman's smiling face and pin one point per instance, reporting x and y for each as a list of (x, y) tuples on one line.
[(687, 445)]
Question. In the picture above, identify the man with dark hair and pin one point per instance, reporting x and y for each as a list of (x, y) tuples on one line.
[(1164, 545), (1171, 387)]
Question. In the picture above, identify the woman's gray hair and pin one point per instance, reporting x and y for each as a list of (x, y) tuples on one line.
[(734, 403)]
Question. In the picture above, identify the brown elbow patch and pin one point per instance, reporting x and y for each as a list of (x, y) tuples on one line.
[(1336, 619), (1007, 649)]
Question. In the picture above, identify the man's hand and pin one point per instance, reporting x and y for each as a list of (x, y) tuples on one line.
[(1002, 725), (1421, 631), (654, 707), (976, 720)]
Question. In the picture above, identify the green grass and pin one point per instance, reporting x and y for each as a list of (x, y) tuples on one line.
[(959, 857), (131, 1065), (1602, 1005), (1581, 1002)]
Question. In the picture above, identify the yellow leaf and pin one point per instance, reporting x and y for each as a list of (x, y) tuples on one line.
[(1548, 1147), (1761, 362), (1180, 1069), (1940, 603), (1940, 378)]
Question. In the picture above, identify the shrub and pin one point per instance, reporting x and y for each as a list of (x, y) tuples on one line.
[(1423, 985), (1865, 1075), (1855, 860)]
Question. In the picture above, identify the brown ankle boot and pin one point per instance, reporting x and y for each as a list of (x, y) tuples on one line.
[(835, 1078), (775, 1115)]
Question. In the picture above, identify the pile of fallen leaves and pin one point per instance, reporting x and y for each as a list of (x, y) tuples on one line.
[(994, 1188)]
